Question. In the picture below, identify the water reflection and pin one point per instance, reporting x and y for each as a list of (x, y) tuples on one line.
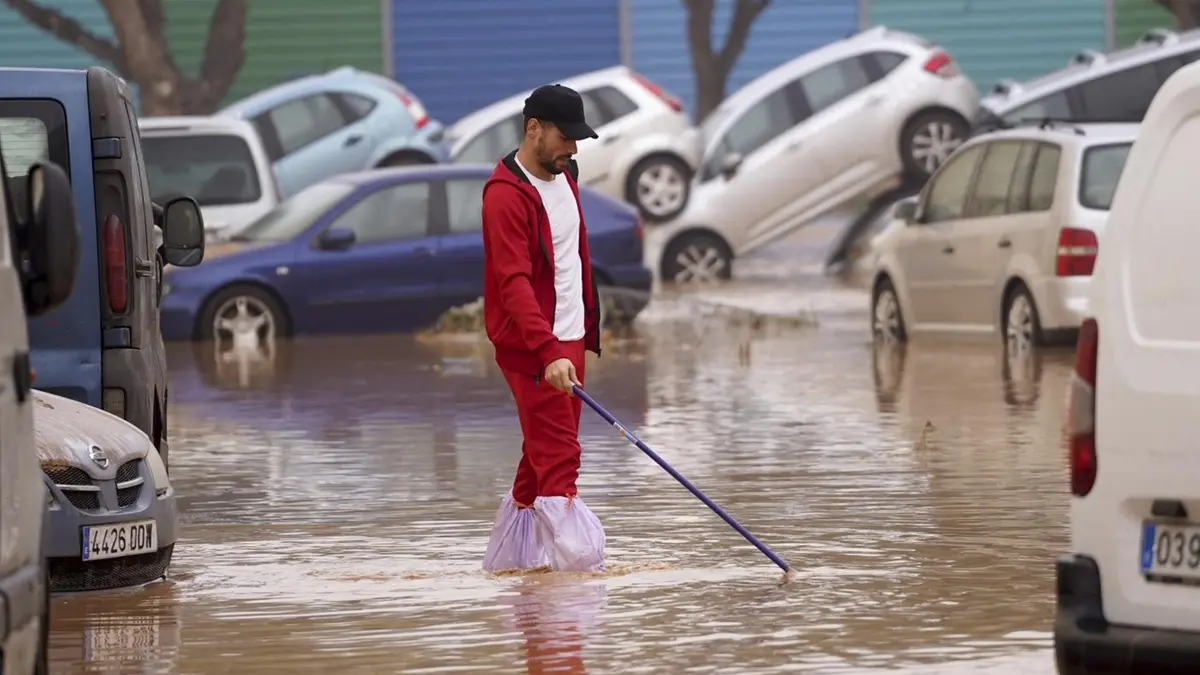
[(553, 615), (130, 631)]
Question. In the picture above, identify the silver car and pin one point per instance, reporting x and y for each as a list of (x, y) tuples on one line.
[(111, 508), (850, 120), (1003, 238)]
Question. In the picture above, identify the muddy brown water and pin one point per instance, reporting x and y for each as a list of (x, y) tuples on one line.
[(337, 497)]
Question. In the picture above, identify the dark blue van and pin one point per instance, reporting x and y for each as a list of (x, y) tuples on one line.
[(102, 346)]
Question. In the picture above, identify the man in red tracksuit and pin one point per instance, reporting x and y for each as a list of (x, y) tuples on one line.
[(542, 312)]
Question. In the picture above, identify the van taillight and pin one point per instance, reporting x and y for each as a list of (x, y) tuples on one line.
[(1081, 413), (941, 64), (674, 103), (638, 230), (414, 107), (115, 283), (1077, 250)]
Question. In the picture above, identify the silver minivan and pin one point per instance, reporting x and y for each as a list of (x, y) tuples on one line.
[(35, 277)]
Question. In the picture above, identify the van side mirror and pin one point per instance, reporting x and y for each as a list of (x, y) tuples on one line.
[(51, 238), (336, 239), (730, 164), (906, 211), (183, 232)]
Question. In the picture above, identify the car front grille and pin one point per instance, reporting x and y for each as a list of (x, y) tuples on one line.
[(84, 493), (74, 574)]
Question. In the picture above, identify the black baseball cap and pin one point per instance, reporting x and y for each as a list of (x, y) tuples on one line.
[(561, 105)]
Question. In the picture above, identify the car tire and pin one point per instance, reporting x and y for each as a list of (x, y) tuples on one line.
[(659, 186), (1021, 322), (243, 304), (696, 257), (887, 317), (928, 140)]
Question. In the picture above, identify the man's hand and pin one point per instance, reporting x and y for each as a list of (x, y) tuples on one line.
[(561, 375)]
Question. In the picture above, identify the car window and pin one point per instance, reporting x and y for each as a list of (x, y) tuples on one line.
[(832, 83), (214, 169), (766, 120), (358, 106), (31, 131), (296, 214), (1045, 177), (388, 214), (489, 146), (886, 62), (593, 114), (464, 205), (1018, 194), (948, 192), (1102, 166), (1052, 106), (989, 196), (303, 121), (1120, 97), (613, 104)]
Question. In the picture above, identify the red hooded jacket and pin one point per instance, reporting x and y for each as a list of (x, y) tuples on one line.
[(518, 289)]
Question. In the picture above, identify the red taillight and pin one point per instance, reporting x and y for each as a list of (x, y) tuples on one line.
[(414, 107), (941, 64), (638, 230), (1081, 414), (661, 93), (1077, 250), (114, 265)]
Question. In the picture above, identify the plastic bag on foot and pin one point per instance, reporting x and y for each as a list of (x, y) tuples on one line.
[(571, 534), (514, 544)]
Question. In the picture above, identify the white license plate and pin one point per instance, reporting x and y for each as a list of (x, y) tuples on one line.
[(1171, 550), (120, 539)]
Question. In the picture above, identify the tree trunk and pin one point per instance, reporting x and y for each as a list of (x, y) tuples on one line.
[(711, 68), (140, 52), (1186, 12)]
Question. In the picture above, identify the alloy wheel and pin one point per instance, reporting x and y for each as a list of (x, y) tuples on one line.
[(933, 143), (661, 189)]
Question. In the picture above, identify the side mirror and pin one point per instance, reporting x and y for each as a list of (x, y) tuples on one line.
[(730, 164), (906, 211), (336, 239), (51, 237), (183, 232)]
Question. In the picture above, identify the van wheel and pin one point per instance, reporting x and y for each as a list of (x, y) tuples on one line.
[(887, 321), (1022, 326), (659, 187), (928, 140), (697, 257), (243, 317)]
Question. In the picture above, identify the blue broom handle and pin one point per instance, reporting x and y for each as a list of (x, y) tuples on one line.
[(583, 396)]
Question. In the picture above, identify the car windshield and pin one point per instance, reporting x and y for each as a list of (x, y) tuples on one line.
[(1102, 167), (213, 169), (295, 215), (711, 123)]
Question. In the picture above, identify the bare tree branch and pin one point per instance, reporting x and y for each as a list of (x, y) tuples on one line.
[(225, 52), (744, 14), (154, 15), (69, 30), (1186, 12)]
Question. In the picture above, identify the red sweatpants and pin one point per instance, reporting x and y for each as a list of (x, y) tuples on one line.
[(550, 425)]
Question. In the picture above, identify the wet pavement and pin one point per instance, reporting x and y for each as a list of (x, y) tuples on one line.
[(338, 496)]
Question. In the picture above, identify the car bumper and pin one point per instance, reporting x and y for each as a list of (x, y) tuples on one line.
[(1063, 302), (63, 541), (1084, 641), (432, 139), (177, 314), (632, 276), (21, 616)]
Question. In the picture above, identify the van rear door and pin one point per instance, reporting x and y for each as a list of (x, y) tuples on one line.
[(44, 115)]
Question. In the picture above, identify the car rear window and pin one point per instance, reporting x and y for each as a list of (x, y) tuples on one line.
[(31, 131), (1102, 166), (213, 169)]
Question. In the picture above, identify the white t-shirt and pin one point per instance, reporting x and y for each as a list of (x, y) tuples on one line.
[(559, 202)]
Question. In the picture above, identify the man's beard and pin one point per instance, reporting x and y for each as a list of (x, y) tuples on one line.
[(550, 165)]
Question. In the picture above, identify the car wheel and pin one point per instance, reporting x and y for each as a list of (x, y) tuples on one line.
[(243, 318), (928, 140), (404, 159), (887, 320), (698, 257), (1022, 325), (659, 187)]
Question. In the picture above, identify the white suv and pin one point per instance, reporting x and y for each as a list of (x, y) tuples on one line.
[(854, 118), (1129, 593), (643, 154)]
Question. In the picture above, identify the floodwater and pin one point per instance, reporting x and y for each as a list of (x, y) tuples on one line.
[(337, 496)]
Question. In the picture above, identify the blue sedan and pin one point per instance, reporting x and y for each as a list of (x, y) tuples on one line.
[(387, 250)]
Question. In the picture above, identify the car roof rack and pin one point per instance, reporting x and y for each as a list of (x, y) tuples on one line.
[(1159, 36), (1088, 57)]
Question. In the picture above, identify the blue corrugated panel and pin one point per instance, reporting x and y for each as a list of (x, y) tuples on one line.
[(460, 56), (994, 39), (782, 32)]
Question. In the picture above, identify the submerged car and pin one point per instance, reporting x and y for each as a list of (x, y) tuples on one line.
[(381, 251), (111, 518)]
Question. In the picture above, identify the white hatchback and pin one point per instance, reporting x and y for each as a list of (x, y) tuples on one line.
[(855, 118), (644, 154), (1129, 592), (218, 161), (1002, 238)]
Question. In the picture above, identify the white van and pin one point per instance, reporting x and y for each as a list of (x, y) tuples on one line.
[(24, 590), (1129, 593)]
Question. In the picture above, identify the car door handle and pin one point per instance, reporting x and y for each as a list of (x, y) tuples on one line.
[(353, 140), (609, 139), (1004, 243), (948, 249)]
